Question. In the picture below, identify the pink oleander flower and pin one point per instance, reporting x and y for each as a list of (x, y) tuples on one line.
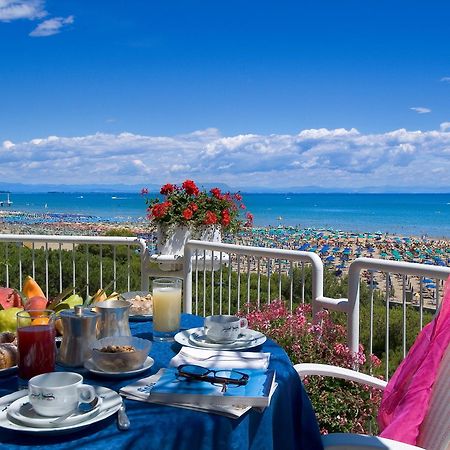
[(321, 340)]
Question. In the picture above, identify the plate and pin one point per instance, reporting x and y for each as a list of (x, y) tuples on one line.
[(89, 365), (195, 337), (136, 317), (111, 402), (8, 371), (140, 317), (22, 411)]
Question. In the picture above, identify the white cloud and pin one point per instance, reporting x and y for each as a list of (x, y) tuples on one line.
[(445, 79), (21, 9), (51, 26), (7, 145), (421, 110), (326, 158)]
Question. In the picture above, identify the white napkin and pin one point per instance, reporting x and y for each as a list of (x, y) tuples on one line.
[(221, 359)]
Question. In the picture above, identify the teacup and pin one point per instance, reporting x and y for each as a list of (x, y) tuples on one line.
[(224, 328), (57, 393)]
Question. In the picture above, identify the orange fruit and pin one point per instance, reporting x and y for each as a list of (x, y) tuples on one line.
[(40, 321)]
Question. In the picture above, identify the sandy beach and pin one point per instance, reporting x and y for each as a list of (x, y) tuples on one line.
[(336, 248)]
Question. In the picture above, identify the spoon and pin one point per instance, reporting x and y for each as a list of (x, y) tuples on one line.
[(123, 422), (83, 408)]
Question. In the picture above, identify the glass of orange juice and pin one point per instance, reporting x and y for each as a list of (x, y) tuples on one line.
[(166, 308)]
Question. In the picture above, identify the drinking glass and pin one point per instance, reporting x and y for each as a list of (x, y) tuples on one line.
[(36, 342), (166, 308)]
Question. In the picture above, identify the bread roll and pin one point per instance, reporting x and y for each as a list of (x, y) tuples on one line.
[(8, 355)]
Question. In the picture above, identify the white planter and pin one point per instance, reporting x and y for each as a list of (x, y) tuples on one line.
[(172, 243)]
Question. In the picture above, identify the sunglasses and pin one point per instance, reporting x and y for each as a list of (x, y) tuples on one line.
[(223, 378)]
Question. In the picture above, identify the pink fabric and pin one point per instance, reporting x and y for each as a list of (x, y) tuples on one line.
[(407, 395)]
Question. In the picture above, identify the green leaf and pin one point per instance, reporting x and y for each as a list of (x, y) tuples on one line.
[(60, 297), (61, 306)]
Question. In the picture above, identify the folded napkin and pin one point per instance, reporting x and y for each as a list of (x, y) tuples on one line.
[(221, 359)]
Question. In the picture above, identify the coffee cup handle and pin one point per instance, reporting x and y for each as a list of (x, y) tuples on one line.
[(243, 323), (86, 393)]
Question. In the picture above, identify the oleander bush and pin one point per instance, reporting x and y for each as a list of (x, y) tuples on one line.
[(340, 406)]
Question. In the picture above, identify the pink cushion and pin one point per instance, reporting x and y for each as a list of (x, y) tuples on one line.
[(407, 395)]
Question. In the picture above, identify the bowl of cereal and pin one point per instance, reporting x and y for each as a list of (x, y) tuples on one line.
[(120, 353), (141, 304)]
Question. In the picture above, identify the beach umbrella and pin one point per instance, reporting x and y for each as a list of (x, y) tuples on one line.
[(329, 258), (431, 286), (427, 280)]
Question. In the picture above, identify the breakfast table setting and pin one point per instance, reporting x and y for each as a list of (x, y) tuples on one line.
[(162, 379)]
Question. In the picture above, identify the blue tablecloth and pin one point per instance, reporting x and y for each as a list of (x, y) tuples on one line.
[(289, 422)]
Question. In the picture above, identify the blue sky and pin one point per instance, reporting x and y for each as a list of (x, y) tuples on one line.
[(78, 76)]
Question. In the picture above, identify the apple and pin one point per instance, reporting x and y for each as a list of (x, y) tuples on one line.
[(10, 298)]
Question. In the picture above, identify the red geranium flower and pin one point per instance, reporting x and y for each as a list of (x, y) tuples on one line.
[(144, 191), (187, 213), (210, 218), (167, 189), (216, 193), (190, 187), (225, 218), (160, 209), (187, 205)]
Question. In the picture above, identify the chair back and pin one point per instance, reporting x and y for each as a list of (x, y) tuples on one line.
[(435, 429)]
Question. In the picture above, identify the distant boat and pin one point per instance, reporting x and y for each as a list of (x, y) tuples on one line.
[(119, 198), (8, 202)]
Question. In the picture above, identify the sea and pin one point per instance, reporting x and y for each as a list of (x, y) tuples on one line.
[(402, 214)]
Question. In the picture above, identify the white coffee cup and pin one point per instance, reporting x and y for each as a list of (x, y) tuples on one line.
[(57, 393), (224, 328)]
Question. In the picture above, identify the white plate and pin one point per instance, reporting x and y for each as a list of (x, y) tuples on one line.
[(111, 402), (8, 371), (22, 411), (89, 365), (137, 317), (194, 337)]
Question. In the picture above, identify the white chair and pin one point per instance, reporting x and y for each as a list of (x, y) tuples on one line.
[(434, 431)]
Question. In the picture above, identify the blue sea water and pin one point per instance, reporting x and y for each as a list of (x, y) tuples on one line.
[(407, 214)]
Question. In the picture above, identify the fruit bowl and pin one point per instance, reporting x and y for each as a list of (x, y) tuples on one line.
[(115, 358)]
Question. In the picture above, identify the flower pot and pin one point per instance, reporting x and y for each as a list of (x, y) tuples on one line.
[(172, 241)]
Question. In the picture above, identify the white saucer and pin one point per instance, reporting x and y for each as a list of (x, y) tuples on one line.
[(195, 337), (111, 402), (89, 365), (22, 411)]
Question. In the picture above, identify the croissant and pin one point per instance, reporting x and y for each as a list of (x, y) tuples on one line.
[(8, 355)]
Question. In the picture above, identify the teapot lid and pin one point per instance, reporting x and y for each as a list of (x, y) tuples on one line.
[(78, 312)]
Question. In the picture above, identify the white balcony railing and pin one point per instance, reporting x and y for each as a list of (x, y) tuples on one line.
[(226, 278)]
